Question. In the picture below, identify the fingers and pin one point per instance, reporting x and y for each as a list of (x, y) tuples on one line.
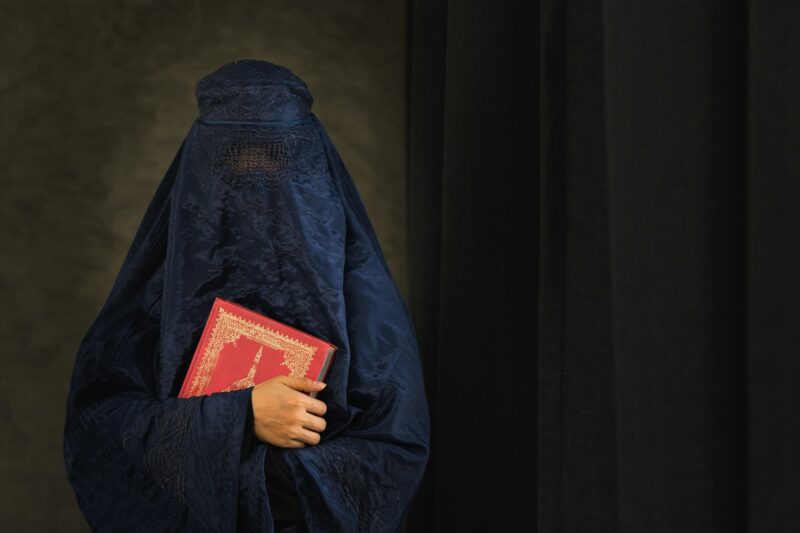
[(314, 423), (312, 405), (315, 407), (303, 384), (307, 436), (298, 415), (304, 437)]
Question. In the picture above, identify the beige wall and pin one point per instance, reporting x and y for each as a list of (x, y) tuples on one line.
[(95, 97)]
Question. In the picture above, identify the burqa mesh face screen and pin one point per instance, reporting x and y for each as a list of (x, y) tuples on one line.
[(257, 207)]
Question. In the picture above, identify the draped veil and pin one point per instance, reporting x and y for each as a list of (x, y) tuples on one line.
[(256, 207)]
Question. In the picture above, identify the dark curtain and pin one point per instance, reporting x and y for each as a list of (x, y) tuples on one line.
[(604, 241)]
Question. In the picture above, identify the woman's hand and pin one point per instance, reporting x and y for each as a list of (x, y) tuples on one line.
[(286, 417)]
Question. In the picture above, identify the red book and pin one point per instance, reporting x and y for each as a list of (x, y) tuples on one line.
[(240, 348)]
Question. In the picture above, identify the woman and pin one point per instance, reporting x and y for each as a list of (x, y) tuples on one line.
[(257, 208)]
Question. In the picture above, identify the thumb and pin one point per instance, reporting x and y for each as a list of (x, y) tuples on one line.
[(303, 384)]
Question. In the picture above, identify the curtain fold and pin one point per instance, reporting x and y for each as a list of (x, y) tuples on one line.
[(575, 445), (773, 264), (604, 241), (488, 125), (676, 108)]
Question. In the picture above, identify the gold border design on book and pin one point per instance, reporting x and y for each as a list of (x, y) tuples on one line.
[(297, 355)]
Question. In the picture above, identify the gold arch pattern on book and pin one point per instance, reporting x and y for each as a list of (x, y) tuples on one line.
[(229, 327), (248, 380)]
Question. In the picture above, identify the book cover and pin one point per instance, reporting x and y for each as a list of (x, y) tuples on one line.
[(240, 348)]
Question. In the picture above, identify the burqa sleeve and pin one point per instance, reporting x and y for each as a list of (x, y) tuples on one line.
[(138, 460), (364, 477)]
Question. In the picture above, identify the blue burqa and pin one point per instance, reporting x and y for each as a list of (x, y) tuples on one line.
[(258, 208)]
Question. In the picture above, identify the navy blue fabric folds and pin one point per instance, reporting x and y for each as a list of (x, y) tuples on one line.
[(258, 208)]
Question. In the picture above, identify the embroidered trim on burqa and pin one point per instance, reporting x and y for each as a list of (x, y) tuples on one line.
[(108, 461), (229, 94), (164, 461)]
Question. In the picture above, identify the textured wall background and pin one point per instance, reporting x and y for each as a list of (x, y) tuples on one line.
[(95, 97)]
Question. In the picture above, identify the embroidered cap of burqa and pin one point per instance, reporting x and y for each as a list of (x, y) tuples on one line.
[(258, 208)]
